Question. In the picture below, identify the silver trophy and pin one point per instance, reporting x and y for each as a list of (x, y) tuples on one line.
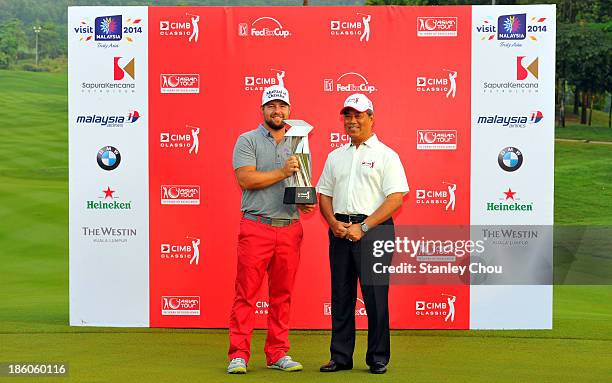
[(300, 190)]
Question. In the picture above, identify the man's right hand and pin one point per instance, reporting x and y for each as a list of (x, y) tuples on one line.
[(291, 166), (339, 228)]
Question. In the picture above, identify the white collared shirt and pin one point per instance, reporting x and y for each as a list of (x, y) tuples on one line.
[(359, 178)]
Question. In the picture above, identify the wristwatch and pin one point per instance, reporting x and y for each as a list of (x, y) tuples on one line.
[(364, 227)]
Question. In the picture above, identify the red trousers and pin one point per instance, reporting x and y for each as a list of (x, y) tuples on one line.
[(276, 250)]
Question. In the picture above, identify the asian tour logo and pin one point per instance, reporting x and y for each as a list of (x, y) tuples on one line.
[(261, 82), (437, 26), (438, 197), (180, 194), (446, 85), (359, 27), (108, 31), (264, 27), (444, 307), (188, 250), (510, 202), (181, 141), (349, 82), (511, 120), (436, 139), (511, 30), (185, 27), (179, 83), (180, 305), (109, 120)]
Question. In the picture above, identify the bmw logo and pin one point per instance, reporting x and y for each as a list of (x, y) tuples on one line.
[(510, 159), (109, 158)]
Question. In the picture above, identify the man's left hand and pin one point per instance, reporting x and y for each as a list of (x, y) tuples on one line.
[(306, 208), (354, 232)]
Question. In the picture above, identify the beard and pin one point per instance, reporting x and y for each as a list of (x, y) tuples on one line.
[(273, 125)]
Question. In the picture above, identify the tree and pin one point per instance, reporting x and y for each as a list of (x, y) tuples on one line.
[(12, 38)]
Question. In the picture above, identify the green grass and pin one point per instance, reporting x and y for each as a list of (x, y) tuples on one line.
[(34, 283)]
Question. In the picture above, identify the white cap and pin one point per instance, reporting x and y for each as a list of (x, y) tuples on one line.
[(359, 102), (275, 92)]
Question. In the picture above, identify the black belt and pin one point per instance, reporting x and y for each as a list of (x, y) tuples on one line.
[(276, 222), (351, 218)]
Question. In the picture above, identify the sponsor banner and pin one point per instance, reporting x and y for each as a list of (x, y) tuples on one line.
[(180, 305), (179, 83), (180, 194), (436, 140), (437, 26)]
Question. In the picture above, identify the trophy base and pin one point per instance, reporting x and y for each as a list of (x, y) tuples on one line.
[(300, 194)]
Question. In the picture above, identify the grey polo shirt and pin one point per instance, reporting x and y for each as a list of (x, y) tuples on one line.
[(258, 148)]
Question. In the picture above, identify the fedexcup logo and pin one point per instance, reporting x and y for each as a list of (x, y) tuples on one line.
[(359, 27), (264, 27), (108, 158), (187, 26), (349, 82), (437, 26), (510, 159)]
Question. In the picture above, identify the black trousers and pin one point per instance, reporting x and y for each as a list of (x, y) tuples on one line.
[(349, 262)]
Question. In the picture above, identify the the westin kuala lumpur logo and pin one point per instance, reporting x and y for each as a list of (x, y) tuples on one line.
[(184, 27), (437, 26), (359, 27), (263, 27)]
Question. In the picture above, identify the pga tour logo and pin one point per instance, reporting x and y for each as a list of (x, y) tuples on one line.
[(436, 140), (359, 27), (180, 194), (180, 305), (436, 26), (349, 82), (263, 27), (179, 83)]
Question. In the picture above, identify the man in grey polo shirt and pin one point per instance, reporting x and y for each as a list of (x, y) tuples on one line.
[(270, 235)]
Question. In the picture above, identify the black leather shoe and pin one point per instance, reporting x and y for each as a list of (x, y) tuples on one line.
[(333, 366), (378, 368)]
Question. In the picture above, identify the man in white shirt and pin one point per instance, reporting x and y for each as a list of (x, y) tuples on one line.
[(362, 185)]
